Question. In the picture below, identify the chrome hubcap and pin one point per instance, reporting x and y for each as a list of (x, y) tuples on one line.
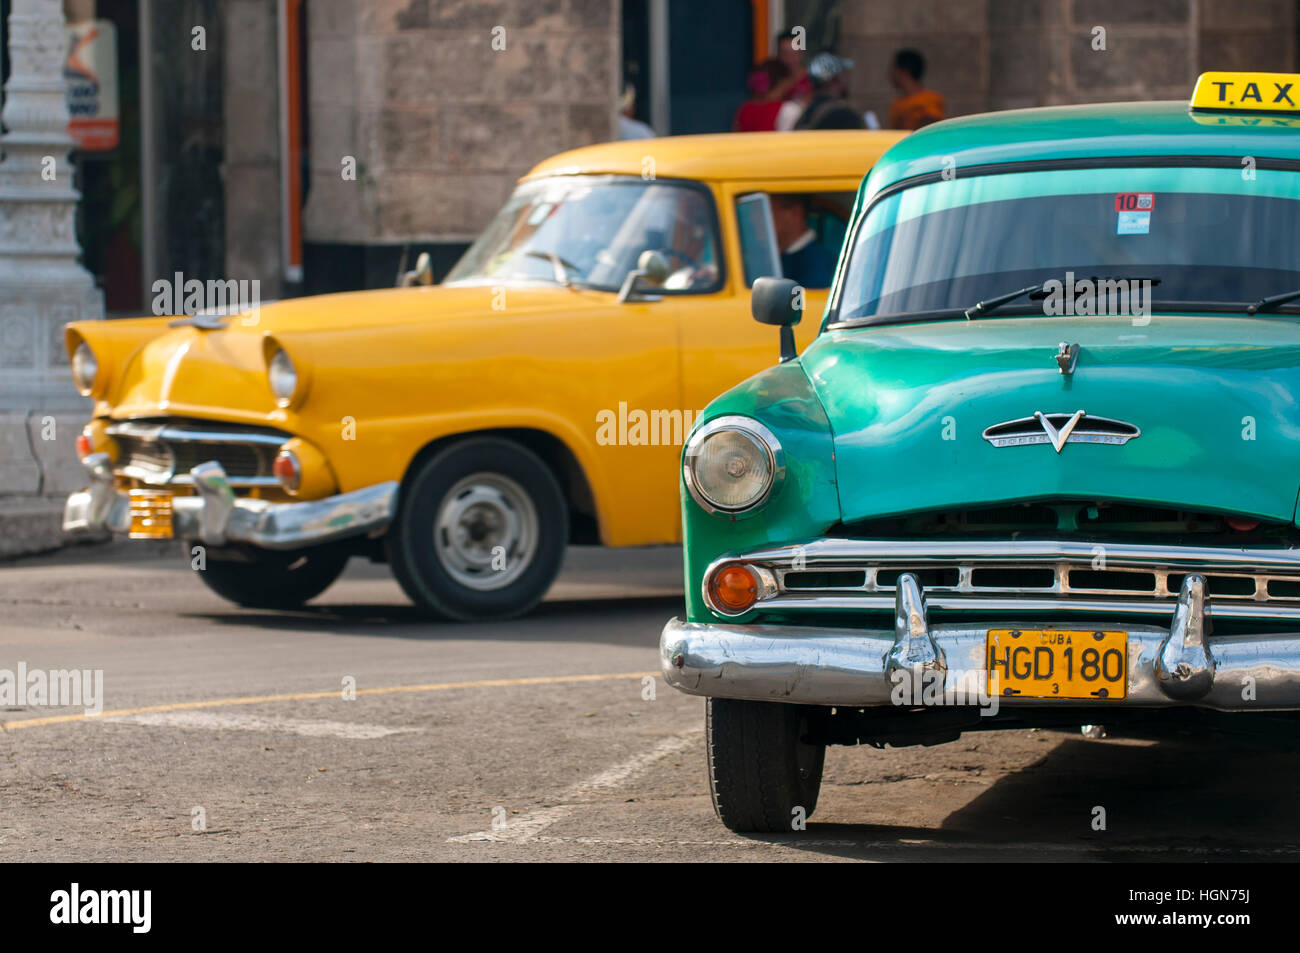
[(485, 533)]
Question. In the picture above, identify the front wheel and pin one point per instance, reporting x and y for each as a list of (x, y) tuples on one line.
[(763, 775), (481, 531), (273, 580)]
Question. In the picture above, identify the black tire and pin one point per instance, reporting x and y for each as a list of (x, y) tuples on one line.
[(760, 769), (274, 580), (437, 572)]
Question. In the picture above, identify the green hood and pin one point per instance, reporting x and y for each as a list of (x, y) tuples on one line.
[(1214, 398)]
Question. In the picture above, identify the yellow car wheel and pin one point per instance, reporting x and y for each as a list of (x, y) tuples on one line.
[(273, 580), (480, 531)]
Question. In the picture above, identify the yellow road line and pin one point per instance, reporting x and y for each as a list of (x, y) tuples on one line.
[(306, 696)]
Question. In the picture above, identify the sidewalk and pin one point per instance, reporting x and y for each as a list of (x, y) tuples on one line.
[(38, 469), (33, 524)]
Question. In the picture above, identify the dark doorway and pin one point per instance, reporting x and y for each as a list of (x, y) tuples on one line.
[(710, 51)]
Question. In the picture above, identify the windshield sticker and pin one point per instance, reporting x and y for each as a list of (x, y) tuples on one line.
[(1134, 212), (1135, 201), (1133, 223)]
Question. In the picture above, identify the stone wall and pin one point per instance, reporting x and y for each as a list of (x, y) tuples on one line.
[(251, 161), (1008, 54), (439, 117)]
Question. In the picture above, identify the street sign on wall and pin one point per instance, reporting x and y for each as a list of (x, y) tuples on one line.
[(91, 74)]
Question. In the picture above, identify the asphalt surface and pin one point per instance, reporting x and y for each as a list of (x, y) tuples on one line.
[(226, 736)]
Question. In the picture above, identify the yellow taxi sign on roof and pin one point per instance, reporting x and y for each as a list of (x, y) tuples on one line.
[(1247, 92)]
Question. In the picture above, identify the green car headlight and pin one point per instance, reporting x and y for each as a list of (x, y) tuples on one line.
[(732, 464)]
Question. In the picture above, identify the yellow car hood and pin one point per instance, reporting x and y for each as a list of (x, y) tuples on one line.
[(153, 367)]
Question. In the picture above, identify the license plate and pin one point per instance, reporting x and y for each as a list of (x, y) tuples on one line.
[(1058, 663), (151, 514)]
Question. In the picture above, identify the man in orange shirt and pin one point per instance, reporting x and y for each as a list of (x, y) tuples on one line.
[(916, 106)]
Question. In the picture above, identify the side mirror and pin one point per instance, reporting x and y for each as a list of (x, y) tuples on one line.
[(778, 301), (423, 273), (651, 268)]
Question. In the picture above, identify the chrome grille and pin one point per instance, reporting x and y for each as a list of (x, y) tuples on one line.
[(162, 453), (1025, 575)]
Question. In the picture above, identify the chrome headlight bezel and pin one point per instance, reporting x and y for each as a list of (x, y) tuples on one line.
[(85, 368), (280, 365), (761, 437)]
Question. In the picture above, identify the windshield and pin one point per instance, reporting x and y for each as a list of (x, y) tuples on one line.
[(590, 231), (1203, 236)]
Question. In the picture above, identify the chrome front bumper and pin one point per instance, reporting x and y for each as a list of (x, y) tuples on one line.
[(217, 517), (812, 665)]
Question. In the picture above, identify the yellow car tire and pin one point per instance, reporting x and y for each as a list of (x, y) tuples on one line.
[(273, 580), (480, 531)]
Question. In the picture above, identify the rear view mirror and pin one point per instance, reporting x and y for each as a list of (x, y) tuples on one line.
[(778, 301), (651, 269), (422, 274)]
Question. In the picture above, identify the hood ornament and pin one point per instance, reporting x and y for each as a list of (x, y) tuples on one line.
[(1060, 429), (1067, 355), (204, 321)]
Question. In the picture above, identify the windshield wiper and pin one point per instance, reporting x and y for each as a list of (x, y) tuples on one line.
[(989, 305), (562, 267), (1268, 304)]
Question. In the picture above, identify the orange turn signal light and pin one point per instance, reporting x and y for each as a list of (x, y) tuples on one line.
[(288, 470), (734, 587)]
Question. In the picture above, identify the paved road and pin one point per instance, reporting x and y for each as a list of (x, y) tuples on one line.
[(544, 723)]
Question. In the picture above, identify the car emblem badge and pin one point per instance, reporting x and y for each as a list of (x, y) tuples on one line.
[(1060, 429), (1058, 437)]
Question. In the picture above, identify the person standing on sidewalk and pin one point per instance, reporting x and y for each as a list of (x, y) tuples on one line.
[(827, 109), (915, 106)]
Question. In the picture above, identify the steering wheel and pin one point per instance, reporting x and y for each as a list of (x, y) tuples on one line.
[(681, 256)]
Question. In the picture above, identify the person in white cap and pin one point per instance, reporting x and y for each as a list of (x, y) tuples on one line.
[(827, 108)]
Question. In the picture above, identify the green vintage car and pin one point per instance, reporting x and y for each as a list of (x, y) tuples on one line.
[(1039, 468)]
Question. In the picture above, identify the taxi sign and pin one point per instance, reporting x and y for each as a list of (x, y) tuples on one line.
[(1247, 93)]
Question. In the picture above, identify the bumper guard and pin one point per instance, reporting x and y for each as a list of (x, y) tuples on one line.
[(217, 517)]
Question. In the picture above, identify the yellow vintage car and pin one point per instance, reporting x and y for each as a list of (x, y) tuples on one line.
[(466, 432)]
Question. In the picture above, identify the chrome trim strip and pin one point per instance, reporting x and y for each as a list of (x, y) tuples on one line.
[(848, 553), (129, 428)]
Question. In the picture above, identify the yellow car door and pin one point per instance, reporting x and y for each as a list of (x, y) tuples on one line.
[(720, 342)]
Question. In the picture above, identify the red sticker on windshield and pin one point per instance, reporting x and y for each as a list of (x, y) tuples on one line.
[(1135, 201)]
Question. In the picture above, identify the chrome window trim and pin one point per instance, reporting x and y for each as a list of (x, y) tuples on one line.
[(755, 431)]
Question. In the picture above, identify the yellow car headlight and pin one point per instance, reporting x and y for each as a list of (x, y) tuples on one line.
[(85, 369), (283, 377)]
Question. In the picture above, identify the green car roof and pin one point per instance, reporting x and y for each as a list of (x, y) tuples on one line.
[(1077, 132)]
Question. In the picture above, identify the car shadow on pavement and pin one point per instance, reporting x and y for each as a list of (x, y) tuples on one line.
[(622, 621), (1219, 797)]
